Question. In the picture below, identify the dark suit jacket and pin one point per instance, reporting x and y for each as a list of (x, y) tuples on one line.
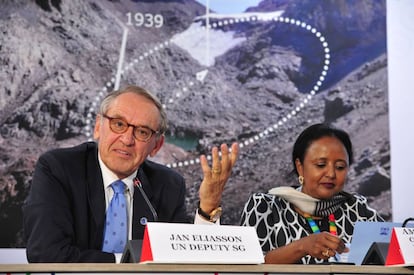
[(64, 213)]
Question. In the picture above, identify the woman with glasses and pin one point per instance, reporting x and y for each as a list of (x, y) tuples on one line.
[(67, 213)]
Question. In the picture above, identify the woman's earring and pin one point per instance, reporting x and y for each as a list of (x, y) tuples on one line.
[(300, 178)]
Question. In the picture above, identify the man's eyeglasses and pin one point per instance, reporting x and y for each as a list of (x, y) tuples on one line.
[(120, 126)]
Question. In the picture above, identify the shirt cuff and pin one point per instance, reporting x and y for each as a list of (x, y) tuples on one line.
[(198, 219)]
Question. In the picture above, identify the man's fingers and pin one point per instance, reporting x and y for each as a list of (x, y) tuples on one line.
[(234, 153)]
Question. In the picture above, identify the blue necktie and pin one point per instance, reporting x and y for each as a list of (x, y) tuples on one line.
[(116, 221)]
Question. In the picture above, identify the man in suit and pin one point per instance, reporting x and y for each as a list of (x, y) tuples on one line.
[(65, 212)]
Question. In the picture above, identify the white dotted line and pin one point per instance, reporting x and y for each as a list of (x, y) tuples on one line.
[(306, 99), (184, 90)]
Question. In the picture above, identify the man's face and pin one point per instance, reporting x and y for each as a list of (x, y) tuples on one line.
[(122, 153)]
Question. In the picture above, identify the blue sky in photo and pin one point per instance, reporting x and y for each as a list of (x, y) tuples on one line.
[(229, 6)]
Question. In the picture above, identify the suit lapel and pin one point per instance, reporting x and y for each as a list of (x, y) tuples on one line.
[(142, 212), (96, 194), (145, 183)]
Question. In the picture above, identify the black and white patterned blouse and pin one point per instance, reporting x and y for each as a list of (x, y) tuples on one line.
[(277, 223)]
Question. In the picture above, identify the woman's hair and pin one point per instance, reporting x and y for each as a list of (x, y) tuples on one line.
[(315, 132), (109, 98)]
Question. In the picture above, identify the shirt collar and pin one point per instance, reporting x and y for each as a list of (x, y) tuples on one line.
[(109, 177)]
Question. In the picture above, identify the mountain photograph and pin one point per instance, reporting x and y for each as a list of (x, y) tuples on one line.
[(257, 78)]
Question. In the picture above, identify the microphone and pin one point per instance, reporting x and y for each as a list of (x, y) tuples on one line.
[(138, 184)]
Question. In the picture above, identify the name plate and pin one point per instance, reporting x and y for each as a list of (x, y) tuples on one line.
[(200, 244), (401, 248)]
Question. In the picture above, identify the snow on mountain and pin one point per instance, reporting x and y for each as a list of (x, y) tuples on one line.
[(205, 44)]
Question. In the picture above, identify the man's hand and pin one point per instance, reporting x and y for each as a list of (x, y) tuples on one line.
[(216, 176)]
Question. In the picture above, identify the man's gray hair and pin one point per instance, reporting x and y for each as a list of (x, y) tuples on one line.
[(109, 98)]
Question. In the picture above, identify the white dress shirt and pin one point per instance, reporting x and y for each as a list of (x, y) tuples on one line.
[(109, 177)]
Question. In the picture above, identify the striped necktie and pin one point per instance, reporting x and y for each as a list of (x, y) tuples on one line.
[(115, 235)]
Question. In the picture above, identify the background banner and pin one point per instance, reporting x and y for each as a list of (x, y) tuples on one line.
[(254, 72)]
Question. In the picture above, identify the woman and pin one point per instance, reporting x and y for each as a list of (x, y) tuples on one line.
[(313, 222)]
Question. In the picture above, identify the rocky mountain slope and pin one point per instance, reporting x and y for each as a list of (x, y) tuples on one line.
[(58, 58)]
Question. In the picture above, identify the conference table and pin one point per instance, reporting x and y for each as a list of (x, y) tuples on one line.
[(152, 268)]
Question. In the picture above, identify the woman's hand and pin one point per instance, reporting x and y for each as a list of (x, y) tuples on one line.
[(321, 245)]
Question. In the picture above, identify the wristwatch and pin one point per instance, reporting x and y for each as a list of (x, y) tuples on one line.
[(213, 216)]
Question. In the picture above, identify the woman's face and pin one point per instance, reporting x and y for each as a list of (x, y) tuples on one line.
[(324, 168)]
